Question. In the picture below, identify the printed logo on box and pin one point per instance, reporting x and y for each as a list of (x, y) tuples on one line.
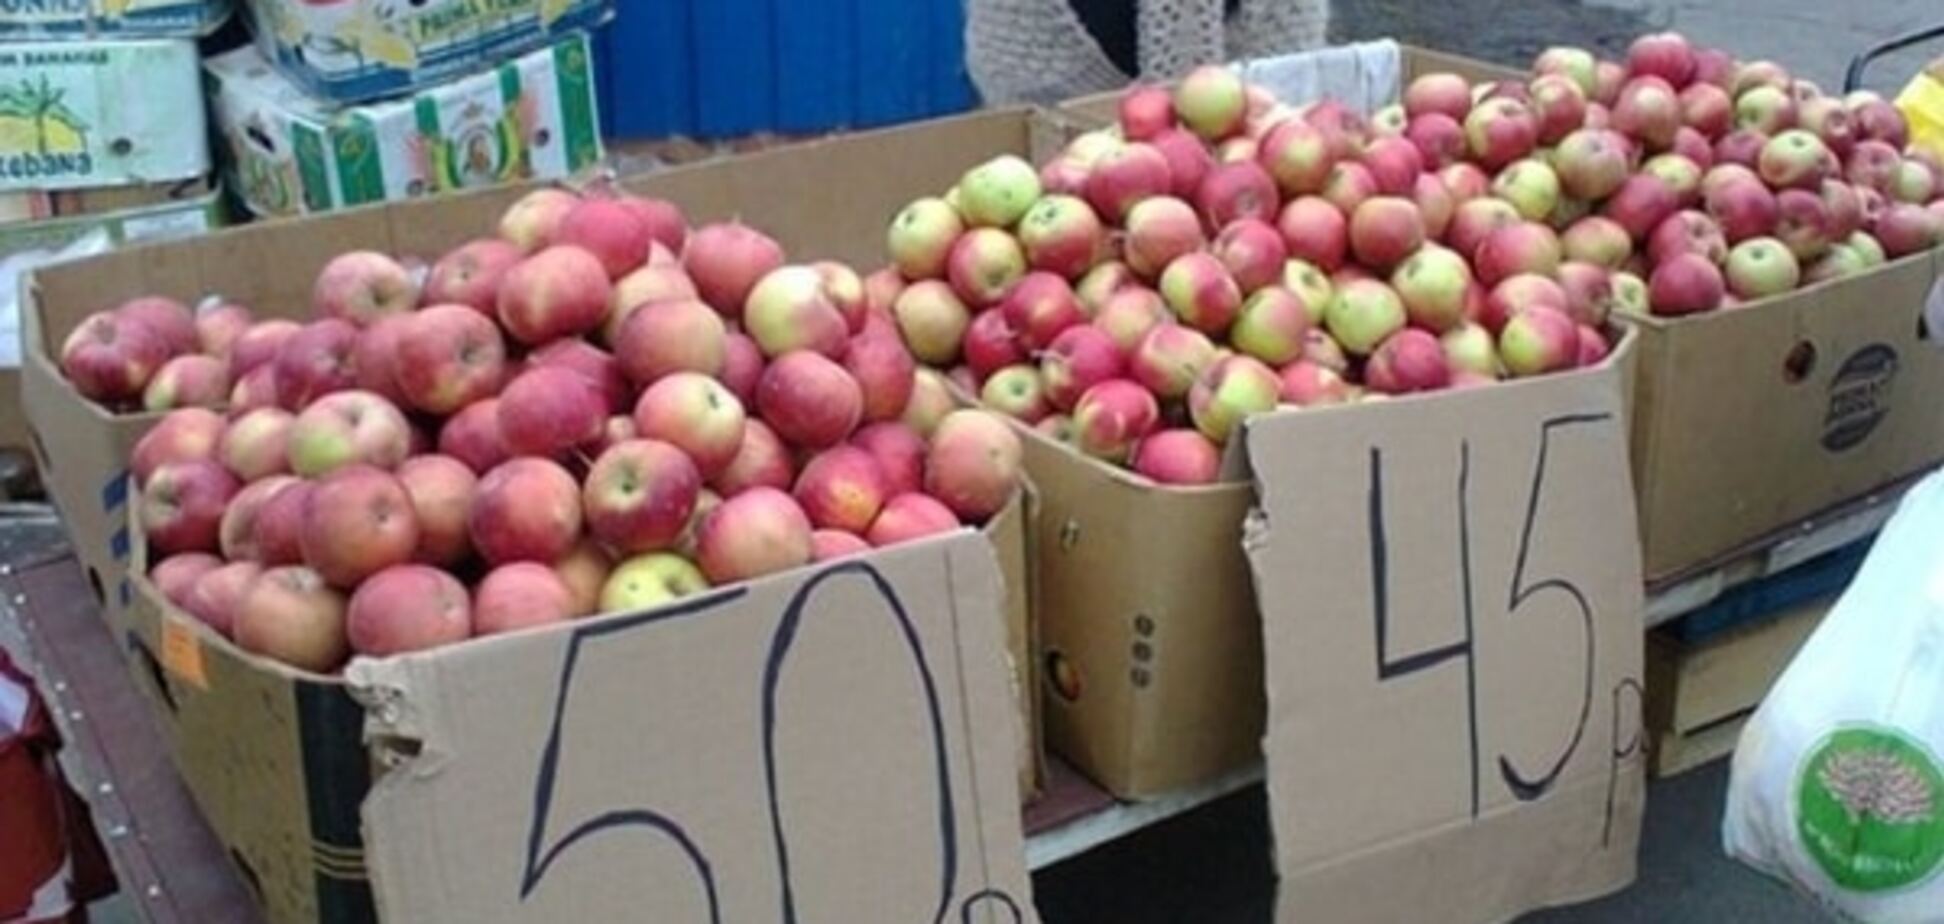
[(41, 138), (1859, 397), (1867, 809)]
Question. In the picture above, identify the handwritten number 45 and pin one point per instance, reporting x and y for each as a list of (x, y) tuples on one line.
[(1522, 785)]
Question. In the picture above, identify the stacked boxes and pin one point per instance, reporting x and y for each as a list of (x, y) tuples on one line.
[(370, 101), (102, 140)]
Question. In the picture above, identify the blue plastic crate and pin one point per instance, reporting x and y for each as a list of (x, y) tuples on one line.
[(723, 68)]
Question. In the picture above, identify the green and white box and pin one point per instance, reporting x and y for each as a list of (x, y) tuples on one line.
[(96, 18), (532, 118), (100, 113)]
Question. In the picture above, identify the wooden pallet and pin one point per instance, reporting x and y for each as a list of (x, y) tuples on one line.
[(1699, 694)]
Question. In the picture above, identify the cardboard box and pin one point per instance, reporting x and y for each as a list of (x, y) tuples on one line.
[(111, 112), (1796, 403), (691, 762), (809, 197), (1152, 634), (1699, 695), (188, 209), (358, 50), (1451, 608), (530, 118), (42, 204), (36, 19)]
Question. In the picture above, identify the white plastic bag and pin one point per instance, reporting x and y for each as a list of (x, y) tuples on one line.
[(1838, 783)]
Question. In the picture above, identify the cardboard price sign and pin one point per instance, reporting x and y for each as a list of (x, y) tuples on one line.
[(836, 746), (1451, 598)]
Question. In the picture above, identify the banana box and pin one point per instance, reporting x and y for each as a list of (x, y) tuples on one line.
[(534, 117), (107, 112), (35, 19), (349, 51)]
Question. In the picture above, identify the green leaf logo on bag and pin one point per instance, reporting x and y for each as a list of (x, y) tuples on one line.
[(1870, 809)]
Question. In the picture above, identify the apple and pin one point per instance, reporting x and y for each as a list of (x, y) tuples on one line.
[(1314, 231), (990, 344), (259, 344), (527, 509), (217, 325), (1904, 228), (358, 520), (257, 388), (725, 260), (112, 357), (1475, 219), (1315, 289), (650, 580), (182, 505), (1230, 390), (1125, 175), (291, 615), (170, 319), (1442, 93), (973, 465), (407, 608), (678, 335), (1499, 131), (1297, 156), (1160, 229), (1761, 266), (1522, 247), (1685, 284), (1694, 146), (441, 489), (472, 436), (1061, 234), (562, 291), (531, 222), (757, 532), (1803, 223), (1039, 308), (1741, 147), (1765, 109), (1439, 138), (1649, 109), (1348, 185), (1343, 129), (1078, 359), (1681, 175), (1838, 261), (1188, 161), (983, 266), (182, 435), (1363, 313), (1211, 102), (362, 286), (809, 400), (1469, 347), (1707, 109), (1845, 206), (1873, 164), (1394, 163), (1538, 340), (1200, 292), (1792, 160), (1178, 457), (1112, 416), (1146, 111), (1432, 285), (214, 593), (1829, 120), (549, 410), (699, 416), (1236, 190), (1531, 186), (832, 544), (842, 488), (1272, 325), (1879, 119), (1168, 360), (1410, 360), (1465, 181), (1912, 182), (761, 459), (639, 495), (1869, 248), (1384, 230), (1597, 239), (908, 517), (1306, 383), (667, 225), (255, 445), (1435, 203), (609, 230), (996, 193), (345, 428), (1518, 293), (1102, 281), (175, 575), (1559, 105), (884, 370), (1017, 392), (1640, 204), (584, 570), (899, 453), (1666, 55), (1687, 232), (521, 595), (1743, 207), (931, 400), (1588, 288)]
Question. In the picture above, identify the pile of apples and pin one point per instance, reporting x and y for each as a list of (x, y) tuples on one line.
[(594, 410), (1216, 253)]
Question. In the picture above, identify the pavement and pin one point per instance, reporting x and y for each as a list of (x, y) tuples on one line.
[(1213, 866)]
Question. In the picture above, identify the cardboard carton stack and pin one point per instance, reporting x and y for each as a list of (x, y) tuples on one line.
[(102, 141), (370, 101)]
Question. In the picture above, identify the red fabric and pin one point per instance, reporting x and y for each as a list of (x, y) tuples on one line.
[(36, 813)]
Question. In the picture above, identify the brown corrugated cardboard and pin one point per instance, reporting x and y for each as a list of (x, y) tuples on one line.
[(698, 762), (1451, 608), (1795, 403)]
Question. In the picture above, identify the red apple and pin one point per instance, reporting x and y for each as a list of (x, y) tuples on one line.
[(1159, 229), (1539, 340), (112, 357), (183, 435), (639, 495), (757, 532), (661, 338), (610, 231), (175, 575), (531, 222), (522, 595), (1408, 361), (258, 345), (358, 520), (527, 509), (470, 274), (698, 415), (761, 460), (1687, 232), (810, 401), (362, 286), (842, 488), (345, 428), (1200, 292), (984, 265), (255, 445), (562, 291), (1112, 416), (1315, 231), (1685, 284), (973, 465), (907, 517), (1525, 247), (1124, 176)]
